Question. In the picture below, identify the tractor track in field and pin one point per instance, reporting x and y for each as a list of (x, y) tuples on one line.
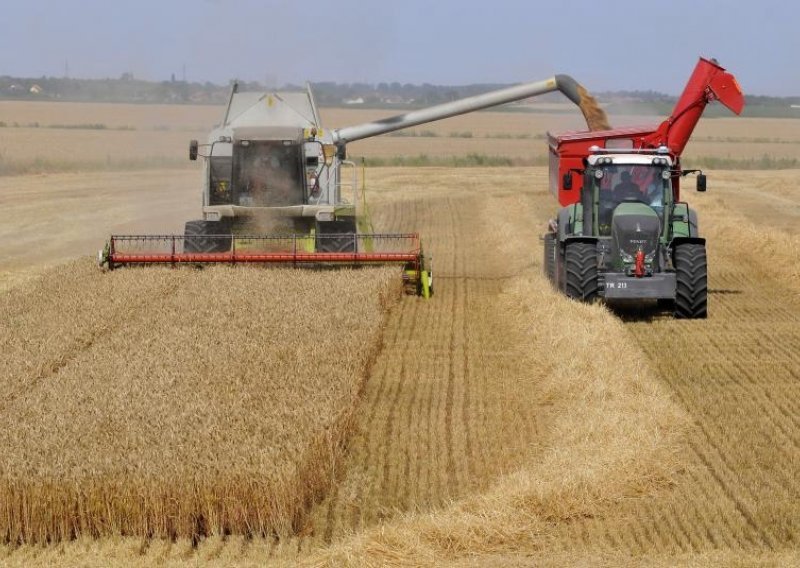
[(429, 404)]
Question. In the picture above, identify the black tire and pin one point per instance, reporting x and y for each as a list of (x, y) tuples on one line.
[(332, 241), (206, 236), (691, 293), (580, 271), (550, 257)]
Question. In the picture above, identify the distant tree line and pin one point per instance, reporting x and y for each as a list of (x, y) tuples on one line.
[(128, 89)]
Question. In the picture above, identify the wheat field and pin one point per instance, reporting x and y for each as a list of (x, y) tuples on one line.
[(149, 136), (498, 400), (179, 403), (500, 423)]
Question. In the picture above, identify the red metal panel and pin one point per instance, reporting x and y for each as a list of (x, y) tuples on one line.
[(708, 82), (573, 147)]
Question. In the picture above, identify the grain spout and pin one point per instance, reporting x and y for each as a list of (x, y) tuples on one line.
[(595, 116)]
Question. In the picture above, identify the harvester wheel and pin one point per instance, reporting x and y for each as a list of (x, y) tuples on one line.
[(691, 293), (580, 282), (329, 239), (550, 257), (206, 236)]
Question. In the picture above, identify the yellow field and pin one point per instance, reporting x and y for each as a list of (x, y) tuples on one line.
[(160, 135), (132, 404), (500, 423)]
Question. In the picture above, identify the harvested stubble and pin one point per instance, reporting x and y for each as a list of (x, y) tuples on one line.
[(613, 433), (179, 403)]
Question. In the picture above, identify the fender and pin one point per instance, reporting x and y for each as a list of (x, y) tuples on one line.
[(684, 240)]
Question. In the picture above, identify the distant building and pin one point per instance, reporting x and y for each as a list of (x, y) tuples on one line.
[(356, 101), (394, 100), (35, 90), (795, 106)]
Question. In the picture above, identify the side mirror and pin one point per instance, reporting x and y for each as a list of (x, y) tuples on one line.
[(701, 182), (567, 181), (193, 150)]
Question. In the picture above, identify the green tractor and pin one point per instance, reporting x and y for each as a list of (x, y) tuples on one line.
[(620, 242), (623, 233)]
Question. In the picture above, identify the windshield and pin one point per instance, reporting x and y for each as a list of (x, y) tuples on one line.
[(635, 183), (219, 181), (268, 174)]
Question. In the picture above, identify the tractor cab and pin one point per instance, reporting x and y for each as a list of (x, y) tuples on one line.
[(616, 180)]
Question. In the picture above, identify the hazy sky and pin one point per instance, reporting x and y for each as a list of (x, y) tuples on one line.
[(606, 45)]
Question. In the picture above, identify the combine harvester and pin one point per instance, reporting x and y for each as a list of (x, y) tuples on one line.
[(624, 233), (280, 190)]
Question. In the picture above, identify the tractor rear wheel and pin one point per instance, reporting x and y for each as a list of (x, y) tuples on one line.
[(691, 293), (206, 236), (580, 271), (550, 257)]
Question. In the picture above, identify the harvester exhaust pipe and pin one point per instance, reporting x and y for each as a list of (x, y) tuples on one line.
[(595, 116)]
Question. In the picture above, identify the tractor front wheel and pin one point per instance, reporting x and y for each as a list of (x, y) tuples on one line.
[(691, 293), (580, 271)]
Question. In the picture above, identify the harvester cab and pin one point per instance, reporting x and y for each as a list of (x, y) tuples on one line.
[(269, 169), (279, 188), (624, 233)]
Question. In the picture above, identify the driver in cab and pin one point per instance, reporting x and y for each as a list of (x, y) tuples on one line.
[(627, 189), (269, 182)]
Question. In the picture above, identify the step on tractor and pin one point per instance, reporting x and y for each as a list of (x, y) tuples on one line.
[(279, 188), (624, 233)]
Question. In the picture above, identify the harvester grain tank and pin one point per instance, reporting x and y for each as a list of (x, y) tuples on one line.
[(624, 232), (279, 188)]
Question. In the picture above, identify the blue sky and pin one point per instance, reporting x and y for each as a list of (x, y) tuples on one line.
[(605, 45)]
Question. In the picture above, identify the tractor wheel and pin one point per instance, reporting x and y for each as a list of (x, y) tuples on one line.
[(691, 293), (206, 236), (550, 257), (580, 271), (338, 236)]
